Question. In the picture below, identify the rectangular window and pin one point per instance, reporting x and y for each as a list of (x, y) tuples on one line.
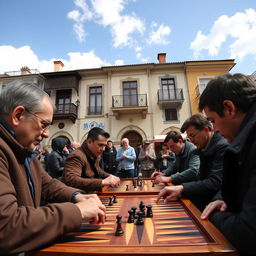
[(171, 114), (168, 91), (202, 84), (130, 95), (95, 101), (63, 101)]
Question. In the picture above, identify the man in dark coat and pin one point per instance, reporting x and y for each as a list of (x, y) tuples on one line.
[(229, 102), (56, 159), (109, 158), (211, 147), (186, 165)]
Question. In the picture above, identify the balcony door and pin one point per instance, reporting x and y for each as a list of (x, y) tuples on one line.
[(130, 95), (95, 101), (168, 89), (63, 101)]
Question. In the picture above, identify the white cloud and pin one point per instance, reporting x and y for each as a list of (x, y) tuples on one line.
[(80, 16), (159, 36), (241, 27), (119, 62), (122, 31), (107, 13), (15, 58)]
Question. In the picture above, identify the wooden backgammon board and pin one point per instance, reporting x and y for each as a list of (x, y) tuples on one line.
[(143, 186), (174, 229)]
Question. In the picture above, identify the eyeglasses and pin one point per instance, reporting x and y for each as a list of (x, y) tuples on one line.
[(192, 135), (45, 125)]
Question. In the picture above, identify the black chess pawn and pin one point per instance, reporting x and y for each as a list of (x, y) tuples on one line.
[(153, 183), (140, 220), (133, 181), (110, 201), (127, 187), (140, 205), (149, 211), (119, 230), (130, 218), (135, 216), (142, 209), (114, 199)]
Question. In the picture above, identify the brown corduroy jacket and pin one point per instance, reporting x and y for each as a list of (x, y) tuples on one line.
[(24, 225)]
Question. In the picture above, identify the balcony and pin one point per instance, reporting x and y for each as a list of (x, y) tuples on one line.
[(94, 110), (170, 97), (66, 111), (129, 105)]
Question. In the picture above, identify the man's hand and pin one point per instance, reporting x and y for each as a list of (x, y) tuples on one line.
[(92, 209), (162, 179), (112, 181), (170, 192), (216, 206), (154, 174)]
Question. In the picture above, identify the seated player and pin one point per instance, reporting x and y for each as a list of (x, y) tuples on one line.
[(26, 114), (82, 169), (229, 102), (187, 163), (211, 147)]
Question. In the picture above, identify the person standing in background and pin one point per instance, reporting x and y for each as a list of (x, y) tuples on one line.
[(147, 157), (56, 159), (109, 158), (165, 158), (125, 157)]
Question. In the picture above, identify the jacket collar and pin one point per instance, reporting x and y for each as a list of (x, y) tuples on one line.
[(9, 137), (245, 129)]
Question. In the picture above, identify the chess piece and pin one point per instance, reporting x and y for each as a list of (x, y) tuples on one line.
[(135, 216), (140, 220), (119, 230), (114, 199), (153, 183), (110, 201), (130, 218), (149, 211), (142, 208), (127, 187)]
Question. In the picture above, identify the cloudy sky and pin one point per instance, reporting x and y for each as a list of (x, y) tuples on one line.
[(94, 33)]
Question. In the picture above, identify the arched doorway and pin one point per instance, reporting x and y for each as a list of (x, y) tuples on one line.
[(134, 138)]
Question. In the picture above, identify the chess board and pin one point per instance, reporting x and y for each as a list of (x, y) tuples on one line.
[(174, 229), (144, 186)]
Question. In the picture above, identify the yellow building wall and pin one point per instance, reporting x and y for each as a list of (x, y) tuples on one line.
[(203, 70)]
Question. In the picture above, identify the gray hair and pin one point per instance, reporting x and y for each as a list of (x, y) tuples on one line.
[(20, 93)]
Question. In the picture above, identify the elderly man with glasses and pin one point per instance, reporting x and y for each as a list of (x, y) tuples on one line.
[(25, 116), (211, 147)]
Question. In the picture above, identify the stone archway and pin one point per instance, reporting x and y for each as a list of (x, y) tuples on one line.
[(134, 138)]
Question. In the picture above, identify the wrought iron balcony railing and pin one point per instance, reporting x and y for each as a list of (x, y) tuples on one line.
[(125, 101), (170, 95), (66, 111)]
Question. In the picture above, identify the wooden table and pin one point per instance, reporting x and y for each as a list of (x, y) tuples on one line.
[(174, 229), (145, 186)]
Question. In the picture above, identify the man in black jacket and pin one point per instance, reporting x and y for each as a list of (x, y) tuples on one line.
[(109, 158), (229, 101), (211, 147), (56, 159)]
